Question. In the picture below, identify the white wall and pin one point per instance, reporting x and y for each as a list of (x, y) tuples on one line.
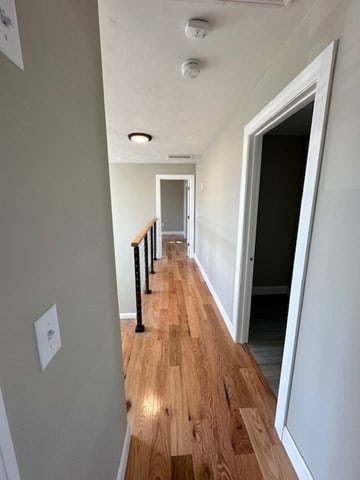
[(324, 416), (56, 246), (133, 205)]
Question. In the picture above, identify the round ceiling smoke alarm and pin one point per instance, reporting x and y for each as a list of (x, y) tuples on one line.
[(190, 68)]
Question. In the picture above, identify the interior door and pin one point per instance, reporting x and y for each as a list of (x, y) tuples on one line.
[(8, 465), (187, 196), (185, 211)]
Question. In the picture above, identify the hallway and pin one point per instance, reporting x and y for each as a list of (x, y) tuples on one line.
[(197, 403)]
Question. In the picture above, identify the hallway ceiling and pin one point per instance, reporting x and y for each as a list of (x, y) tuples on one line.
[(143, 46)]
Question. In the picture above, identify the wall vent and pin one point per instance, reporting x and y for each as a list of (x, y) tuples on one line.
[(271, 3), (281, 3), (181, 157)]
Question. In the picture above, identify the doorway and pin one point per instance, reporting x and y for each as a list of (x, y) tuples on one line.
[(173, 207), (175, 210), (312, 84), (282, 172)]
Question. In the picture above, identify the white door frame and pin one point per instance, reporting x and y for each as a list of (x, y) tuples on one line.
[(186, 208), (313, 83), (8, 462), (191, 183)]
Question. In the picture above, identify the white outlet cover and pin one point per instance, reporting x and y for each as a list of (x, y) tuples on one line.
[(48, 338), (9, 33)]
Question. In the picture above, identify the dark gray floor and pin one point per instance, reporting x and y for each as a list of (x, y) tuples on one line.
[(267, 334)]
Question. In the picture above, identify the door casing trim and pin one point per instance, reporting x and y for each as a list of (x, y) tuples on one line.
[(191, 182), (312, 84)]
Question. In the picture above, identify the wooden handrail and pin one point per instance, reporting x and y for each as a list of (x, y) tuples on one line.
[(143, 235), (140, 236)]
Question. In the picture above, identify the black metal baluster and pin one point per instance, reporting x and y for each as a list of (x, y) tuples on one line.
[(155, 241), (146, 248), (139, 325), (152, 249)]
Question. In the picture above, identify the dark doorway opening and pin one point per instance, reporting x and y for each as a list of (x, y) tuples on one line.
[(283, 164)]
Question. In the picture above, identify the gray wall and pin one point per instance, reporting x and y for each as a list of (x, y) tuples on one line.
[(324, 417), (282, 174), (56, 246), (172, 205), (133, 205)]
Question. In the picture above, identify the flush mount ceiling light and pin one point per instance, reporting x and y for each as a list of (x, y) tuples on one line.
[(139, 137)]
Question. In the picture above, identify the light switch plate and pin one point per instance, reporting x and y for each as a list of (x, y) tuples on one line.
[(48, 338), (9, 33)]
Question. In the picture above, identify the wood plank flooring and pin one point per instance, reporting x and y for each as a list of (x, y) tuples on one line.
[(267, 335), (198, 406)]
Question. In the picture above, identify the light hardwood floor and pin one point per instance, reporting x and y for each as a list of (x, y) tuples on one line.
[(198, 406)]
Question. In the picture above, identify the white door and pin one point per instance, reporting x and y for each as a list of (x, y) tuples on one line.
[(8, 465), (3, 475), (187, 210)]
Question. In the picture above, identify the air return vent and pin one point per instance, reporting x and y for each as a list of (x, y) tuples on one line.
[(180, 157), (281, 3), (278, 3)]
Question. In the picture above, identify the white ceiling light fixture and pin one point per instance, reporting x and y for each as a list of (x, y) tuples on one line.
[(190, 68), (196, 29), (139, 137)]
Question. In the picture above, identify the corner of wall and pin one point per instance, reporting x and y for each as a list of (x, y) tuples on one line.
[(217, 300)]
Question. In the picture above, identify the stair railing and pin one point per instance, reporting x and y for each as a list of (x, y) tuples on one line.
[(143, 235)]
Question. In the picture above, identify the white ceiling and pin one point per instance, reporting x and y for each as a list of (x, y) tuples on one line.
[(143, 46)]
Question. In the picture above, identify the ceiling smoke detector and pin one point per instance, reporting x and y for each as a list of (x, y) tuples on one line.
[(190, 68), (196, 29)]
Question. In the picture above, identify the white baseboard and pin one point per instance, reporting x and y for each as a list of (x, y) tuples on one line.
[(295, 457), (173, 232), (124, 454), (271, 290), (220, 306), (127, 316)]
